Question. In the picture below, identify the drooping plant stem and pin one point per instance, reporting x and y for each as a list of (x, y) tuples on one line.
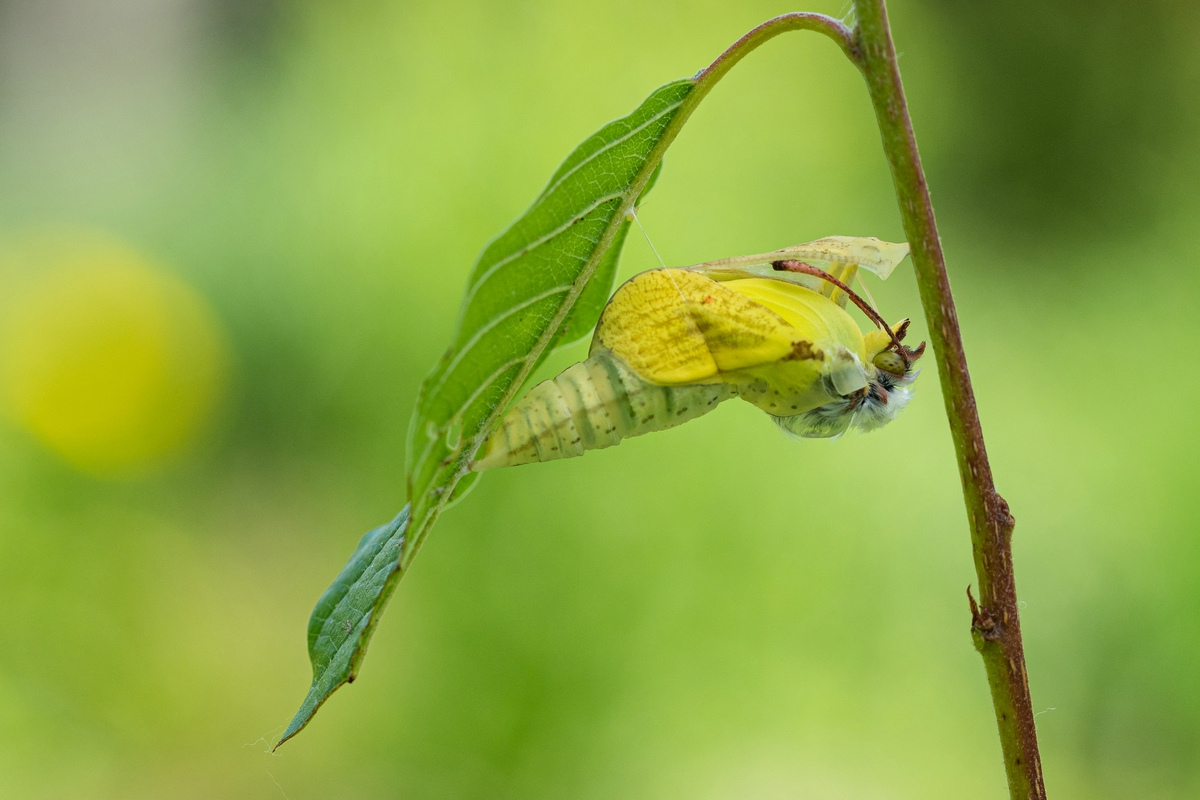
[(995, 622)]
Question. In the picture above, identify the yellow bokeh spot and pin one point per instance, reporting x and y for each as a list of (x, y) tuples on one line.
[(109, 361)]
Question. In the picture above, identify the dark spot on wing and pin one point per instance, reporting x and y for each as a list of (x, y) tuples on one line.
[(804, 351)]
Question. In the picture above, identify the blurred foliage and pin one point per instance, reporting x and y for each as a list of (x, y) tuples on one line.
[(713, 612), (1072, 117)]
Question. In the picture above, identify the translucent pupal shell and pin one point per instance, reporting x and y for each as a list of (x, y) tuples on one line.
[(840, 256), (590, 406)]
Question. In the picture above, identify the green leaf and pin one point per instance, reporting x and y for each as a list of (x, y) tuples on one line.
[(542, 282), (337, 629), (586, 312)]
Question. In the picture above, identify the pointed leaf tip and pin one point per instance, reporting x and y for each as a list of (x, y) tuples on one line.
[(344, 618)]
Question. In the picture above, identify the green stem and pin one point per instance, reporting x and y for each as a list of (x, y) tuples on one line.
[(996, 626), (796, 21)]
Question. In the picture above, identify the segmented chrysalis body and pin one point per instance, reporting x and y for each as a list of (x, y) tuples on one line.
[(673, 343), (589, 406)]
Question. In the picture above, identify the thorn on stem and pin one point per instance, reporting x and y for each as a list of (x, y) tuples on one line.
[(982, 621)]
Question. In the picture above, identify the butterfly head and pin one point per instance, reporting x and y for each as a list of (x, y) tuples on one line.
[(889, 372)]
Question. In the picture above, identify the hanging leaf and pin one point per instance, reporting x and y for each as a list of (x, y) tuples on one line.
[(540, 283), (337, 629)]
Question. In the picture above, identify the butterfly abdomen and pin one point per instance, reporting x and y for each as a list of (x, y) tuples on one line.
[(589, 406)]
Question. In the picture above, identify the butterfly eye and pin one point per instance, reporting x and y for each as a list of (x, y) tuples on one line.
[(890, 362)]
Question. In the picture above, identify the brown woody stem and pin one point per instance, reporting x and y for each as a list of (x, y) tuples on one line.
[(995, 622)]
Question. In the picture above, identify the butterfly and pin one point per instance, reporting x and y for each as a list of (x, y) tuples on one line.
[(673, 343)]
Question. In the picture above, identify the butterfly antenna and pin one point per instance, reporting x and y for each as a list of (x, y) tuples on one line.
[(907, 354), (633, 216)]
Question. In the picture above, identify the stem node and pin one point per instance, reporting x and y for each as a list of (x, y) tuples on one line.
[(983, 624)]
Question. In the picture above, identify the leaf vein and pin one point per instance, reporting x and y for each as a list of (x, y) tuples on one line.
[(534, 245), (495, 376), (487, 327), (633, 132), (491, 379)]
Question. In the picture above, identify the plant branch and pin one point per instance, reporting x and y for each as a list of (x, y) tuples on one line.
[(995, 622), (795, 21)]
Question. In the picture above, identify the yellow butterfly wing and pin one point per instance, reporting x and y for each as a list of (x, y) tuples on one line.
[(777, 341), (827, 355), (674, 327)]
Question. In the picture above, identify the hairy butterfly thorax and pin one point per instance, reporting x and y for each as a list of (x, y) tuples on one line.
[(672, 343)]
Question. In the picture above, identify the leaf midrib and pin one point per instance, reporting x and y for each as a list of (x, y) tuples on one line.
[(545, 195), (529, 359)]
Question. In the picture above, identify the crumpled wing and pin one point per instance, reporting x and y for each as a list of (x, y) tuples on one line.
[(873, 255), (675, 327), (840, 256)]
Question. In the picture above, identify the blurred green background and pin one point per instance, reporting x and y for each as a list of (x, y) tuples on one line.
[(270, 208)]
